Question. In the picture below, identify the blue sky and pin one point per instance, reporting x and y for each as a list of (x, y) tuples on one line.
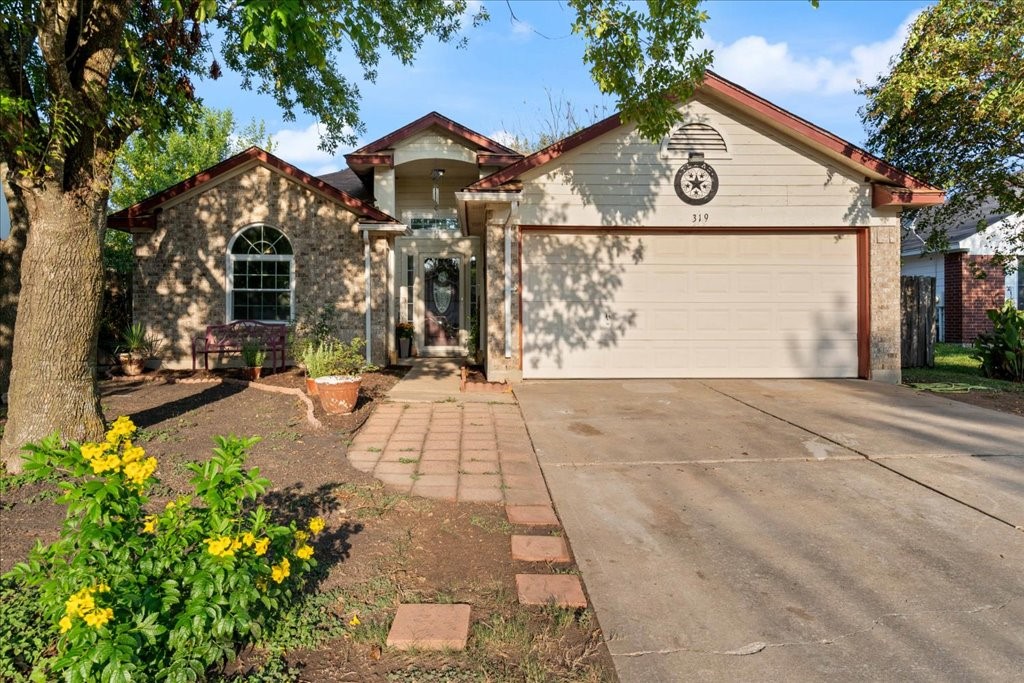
[(804, 59)]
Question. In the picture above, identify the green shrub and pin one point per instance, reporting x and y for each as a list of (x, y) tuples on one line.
[(165, 596), (1002, 352), (26, 632), (336, 358), (252, 355)]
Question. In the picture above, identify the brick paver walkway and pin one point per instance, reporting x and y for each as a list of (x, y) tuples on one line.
[(468, 452)]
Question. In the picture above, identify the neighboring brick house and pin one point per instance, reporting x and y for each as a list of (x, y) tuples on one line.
[(746, 243), (968, 280)]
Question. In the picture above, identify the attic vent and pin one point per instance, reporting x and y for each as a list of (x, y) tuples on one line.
[(695, 137)]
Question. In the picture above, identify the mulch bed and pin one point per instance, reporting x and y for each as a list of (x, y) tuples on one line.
[(417, 550)]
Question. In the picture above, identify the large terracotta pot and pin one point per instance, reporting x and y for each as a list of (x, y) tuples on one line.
[(338, 393), (132, 364), (311, 386), (251, 373)]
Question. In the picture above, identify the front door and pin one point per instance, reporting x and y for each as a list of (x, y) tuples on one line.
[(441, 302)]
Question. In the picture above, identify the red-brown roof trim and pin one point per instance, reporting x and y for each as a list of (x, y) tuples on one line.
[(744, 98), (549, 153), (889, 195), (434, 119), (141, 215), (370, 160)]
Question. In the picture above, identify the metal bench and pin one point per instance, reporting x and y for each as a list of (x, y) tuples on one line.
[(229, 338)]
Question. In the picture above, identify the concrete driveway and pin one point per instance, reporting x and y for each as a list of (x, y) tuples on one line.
[(790, 530)]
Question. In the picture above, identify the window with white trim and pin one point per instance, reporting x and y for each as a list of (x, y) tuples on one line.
[(261, 275)]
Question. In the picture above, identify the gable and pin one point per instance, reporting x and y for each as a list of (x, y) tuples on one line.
[(142, 216), (765, 178)]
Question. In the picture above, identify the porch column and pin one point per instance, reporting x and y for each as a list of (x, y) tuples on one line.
[(499, 367)]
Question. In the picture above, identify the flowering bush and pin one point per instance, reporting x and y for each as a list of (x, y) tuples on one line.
[(166, 595)]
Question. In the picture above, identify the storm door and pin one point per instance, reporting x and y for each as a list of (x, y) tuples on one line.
[(442, 304)]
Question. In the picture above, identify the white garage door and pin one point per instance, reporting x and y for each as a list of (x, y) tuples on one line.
[(689, 305)]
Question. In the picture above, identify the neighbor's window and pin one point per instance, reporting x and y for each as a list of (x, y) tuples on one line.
[(261, 275)]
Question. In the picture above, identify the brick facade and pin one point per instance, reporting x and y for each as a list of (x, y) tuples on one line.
[(974, 284), (180, 267), (885, 303)]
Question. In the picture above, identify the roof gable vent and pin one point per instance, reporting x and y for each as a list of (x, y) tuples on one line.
[(694, 137)]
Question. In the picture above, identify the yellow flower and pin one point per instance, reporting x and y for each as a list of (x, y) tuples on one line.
[(80, 603), (122, 428), (301, 536), (354, 621), (99, 617), (260, 547), (105, 463), (281, 571), (139, 471), (221, 547), (102, 588), (132, 453), (150, 524), (248, 539), (170, 505), (316, 525), (91, 451), (65, 624), (304, 552)]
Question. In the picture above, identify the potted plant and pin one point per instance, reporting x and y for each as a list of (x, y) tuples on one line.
[(404, 332), (136, 348), (339, 391), (253, 357), (319, 359)]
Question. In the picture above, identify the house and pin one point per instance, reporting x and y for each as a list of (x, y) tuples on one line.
[(746, 243), (968, 281)]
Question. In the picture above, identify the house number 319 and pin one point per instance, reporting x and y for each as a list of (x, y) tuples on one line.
[(701, 218)]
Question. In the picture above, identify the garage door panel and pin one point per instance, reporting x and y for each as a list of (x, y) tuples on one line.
[(575, 322), (666, 283), (690, 305)]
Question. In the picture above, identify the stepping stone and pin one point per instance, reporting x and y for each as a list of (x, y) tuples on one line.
[(531, 515), (430, 627), (539, 549), (564, 590)]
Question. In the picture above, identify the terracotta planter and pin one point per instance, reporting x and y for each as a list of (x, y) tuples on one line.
[(251, 373), (338, 393), (132, 364), (311, 387)]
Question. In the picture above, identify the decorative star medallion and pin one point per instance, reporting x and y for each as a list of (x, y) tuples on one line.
[(696, 183)]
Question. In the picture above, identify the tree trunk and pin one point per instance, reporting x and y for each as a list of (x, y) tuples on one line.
[(10, 277), (53, 374)]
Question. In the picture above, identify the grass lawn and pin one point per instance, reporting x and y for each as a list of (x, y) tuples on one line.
[(954, 364)]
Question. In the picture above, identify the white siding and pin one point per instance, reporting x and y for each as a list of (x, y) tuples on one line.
[(620, 179)]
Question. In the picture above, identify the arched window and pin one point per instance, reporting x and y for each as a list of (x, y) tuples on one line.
[(261, 275)]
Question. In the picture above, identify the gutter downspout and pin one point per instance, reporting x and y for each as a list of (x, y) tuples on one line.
[(366, 277), (513, 211)]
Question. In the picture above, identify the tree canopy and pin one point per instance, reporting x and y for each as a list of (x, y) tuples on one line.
[(951, 110), (78, 78)]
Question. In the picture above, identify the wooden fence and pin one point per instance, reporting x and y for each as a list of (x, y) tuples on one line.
[(918, 314)]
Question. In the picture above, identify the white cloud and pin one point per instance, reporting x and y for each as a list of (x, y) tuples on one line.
[(301, 148), (522, 29), (774, 68), (504, 137)]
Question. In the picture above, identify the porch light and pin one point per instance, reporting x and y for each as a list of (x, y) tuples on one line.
[(436, 175)]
